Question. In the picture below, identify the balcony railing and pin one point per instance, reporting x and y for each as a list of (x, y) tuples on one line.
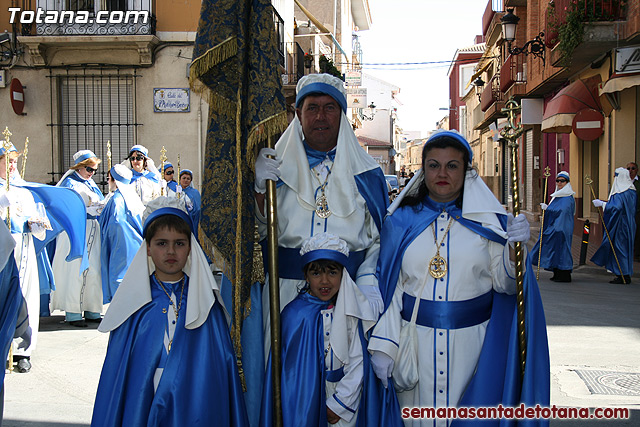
[(592, 10), (295, 64), (491, 93), (91, 17), (514, 70)]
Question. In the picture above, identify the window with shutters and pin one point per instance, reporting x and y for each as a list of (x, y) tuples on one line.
[(92, 110)]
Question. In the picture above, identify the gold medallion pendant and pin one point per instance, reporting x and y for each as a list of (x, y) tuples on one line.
[(322, 207), (437, 267)]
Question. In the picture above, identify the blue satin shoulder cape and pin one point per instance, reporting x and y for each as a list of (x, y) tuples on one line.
[(372, 186), (72, 180), (619, 217), (172, 185), (556, 236), (66, 211), (199, 385), (11, 300), (303, 374), (497, 377), (144, 174), (121, 235)]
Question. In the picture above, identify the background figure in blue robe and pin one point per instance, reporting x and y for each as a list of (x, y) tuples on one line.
[(14, 322), (170, 361), (193, 203), (326, 374), (558, 231), (120, 229), (619, 218)]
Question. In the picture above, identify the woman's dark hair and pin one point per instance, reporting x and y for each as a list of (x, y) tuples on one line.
[(442, 142), (171, 222), (144, 165)]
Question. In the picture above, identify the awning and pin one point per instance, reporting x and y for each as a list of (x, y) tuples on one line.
[(559, 113), (477, 73), (620, 82)]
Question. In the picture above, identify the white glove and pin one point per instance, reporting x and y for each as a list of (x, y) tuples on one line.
[(178, 189), (382, 365), (518, 228), (8, 199), (544, 206), (26, 338), (266, 168), (37, 228), (94, 210), (372, 292), (163, 184), (598, 203)]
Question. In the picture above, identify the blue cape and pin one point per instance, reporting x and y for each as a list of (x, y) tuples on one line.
[(497, 378), (74, 178), (172, 185), (199, 385), (146, 174), (556, 236), (619, 217), (66, 211), (121, 235), (303, 374), (10, 301), (194, 213)]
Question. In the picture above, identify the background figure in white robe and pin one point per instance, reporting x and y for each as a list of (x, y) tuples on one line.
[(452, 215), (27, 220), (77, 292), (146, 178)]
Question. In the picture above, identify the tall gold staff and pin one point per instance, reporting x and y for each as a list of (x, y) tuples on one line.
[(178, 194), (511, 133), (546, 175), (109, 153), (7, 145), (589, 181), (163, 158), (24, 157)]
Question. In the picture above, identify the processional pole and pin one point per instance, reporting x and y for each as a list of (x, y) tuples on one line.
[(163, 158), (7, 145), (274, 295), (546, 174), (511, 133), (24, 157)]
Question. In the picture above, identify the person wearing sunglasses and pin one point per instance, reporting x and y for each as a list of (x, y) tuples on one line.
[(146, 178), (558, 231), (78, 294), (169, 174), (619, 218)]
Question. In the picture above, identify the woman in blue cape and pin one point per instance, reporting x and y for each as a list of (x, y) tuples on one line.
[(145, 177), (619, 218), (193, 197), (79, 291), (170, 361), (121, 230), (326, 374), (444, 252), (558, 231)]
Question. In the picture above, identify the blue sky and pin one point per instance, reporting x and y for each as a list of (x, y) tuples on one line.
[(405, 31)]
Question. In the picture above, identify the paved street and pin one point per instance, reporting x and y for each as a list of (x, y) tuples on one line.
[(594, 337)]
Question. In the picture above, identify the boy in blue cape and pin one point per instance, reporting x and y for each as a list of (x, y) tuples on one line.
[(326, 374), (170, 361)]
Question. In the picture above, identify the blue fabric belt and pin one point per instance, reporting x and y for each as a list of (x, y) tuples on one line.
[(335, 375), (449, 314), (290, 262)]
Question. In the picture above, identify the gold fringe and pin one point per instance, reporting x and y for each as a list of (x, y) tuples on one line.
[(212, 57), (270, 126), (237, 315)]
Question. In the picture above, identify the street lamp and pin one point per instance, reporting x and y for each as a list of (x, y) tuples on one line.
[(536, 46), (367, 113), (479, 84)]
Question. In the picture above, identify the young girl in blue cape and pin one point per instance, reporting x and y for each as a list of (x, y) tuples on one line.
[(326, 376), (170, 361)]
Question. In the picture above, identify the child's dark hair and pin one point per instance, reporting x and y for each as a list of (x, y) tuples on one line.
[(320, 265), (441, 142), (171, 222)]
